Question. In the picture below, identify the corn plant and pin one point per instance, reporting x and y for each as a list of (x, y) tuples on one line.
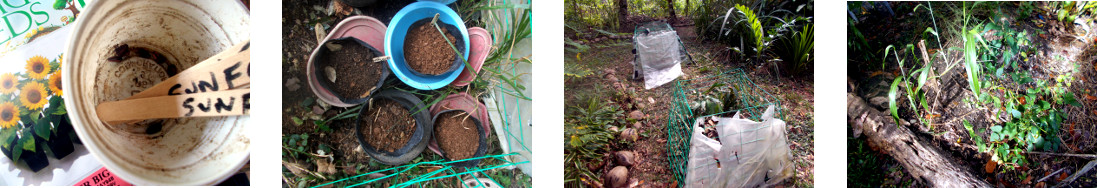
[(914, 95)]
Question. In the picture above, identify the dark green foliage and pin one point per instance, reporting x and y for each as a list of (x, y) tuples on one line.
[(796, 50), (587, 137)]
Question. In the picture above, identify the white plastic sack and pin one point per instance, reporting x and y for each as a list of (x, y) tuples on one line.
[(659, 58), (751, 154), (702, 160)]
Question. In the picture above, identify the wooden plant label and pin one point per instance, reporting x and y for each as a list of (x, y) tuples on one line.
[(218, 103), (230, 69), (210, 88)]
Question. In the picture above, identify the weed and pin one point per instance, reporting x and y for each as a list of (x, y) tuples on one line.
[(587, 134)]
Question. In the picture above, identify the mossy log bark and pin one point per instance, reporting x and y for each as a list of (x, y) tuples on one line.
[(919, 157)]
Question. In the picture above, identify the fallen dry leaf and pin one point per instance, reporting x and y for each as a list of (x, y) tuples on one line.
[(323, 166), (1070, 129), (432, 169), (1062, 176), (990, 166), (341, 8), (875, 73)]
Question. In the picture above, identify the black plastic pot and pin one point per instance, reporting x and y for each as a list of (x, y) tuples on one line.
[(419, 139), (35, 160), (322, 57), (60, 144), (483, 146), (458, 39)]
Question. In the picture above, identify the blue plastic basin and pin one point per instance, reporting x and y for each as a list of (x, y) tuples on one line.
[(394, 43)]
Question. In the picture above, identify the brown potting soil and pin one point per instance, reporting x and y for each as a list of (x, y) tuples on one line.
[(426, 51), (457, 135), (387, 126), (355, 73)]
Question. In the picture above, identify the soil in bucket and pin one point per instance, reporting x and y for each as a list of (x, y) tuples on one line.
[(426, 51), (125, 51), (388, 126), (355, 72), (457, 135)]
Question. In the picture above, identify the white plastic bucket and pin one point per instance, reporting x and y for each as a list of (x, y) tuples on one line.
[(186, 150)]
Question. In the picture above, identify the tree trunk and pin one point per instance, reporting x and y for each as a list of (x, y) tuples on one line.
[(72, 7), (919, 158), (670, 7), (688, 11), (622, 14)]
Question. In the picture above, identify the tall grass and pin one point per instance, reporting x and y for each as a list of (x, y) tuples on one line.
[(509, 24)]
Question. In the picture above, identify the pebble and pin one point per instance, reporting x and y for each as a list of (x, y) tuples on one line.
[(636, 114)]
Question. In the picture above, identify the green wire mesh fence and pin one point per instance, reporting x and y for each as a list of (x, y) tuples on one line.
[(749, 100)]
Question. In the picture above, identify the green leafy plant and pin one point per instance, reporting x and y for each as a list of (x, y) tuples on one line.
[(753, 29), (1068, 11), (1034, 123), (1033, 120), (587, 135), (913, 88), (796, 49)]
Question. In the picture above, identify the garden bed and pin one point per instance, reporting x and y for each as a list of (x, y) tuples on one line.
[(1028, 96)]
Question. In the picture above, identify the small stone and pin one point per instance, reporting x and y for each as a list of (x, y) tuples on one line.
[(637, 125), (636, 114), (651, 100), (613, 128), (629, 134), (618, 177), (625, 158), (317, 110)]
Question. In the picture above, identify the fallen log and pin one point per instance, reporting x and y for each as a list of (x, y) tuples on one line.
[(921, 159)]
